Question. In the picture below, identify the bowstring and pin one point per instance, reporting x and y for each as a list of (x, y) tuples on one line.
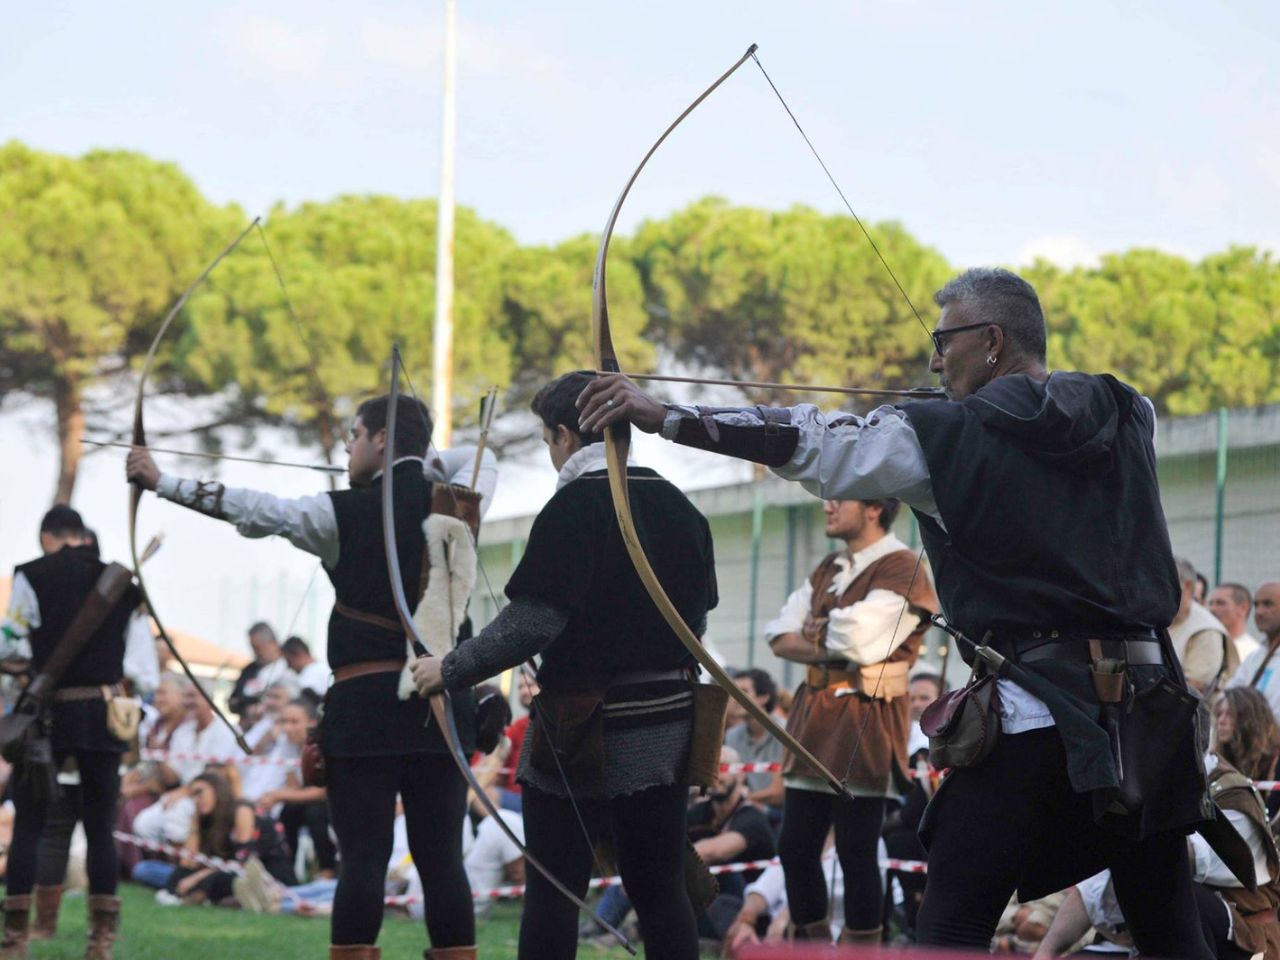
[(573, 804), (906, 600)]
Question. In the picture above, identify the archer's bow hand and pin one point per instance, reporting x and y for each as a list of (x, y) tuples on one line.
[(428, 675), (140, 469), (614, 398)]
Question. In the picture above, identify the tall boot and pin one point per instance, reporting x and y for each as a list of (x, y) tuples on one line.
[(870, 937), (48, 903), (819, 931), (450, 953), (17, 918), (104, 918), (354, 951)]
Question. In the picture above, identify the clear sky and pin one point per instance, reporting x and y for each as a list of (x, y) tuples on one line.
[(993, 131)]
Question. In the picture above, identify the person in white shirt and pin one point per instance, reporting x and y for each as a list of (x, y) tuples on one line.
[(1231, 603), (1261, 669), (765, 899), (311, 673), (493, 860), (1202, 643), (269, 743)]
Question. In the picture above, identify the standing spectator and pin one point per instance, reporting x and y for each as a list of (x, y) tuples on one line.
[(924, 689), (527, 690), (754, 744), (1231, 603), (267, 667), (1202, 643), (857, 624), (311, 673), (1259, 670)]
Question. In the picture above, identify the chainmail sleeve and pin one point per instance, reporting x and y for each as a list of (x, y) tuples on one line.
[(523, 628)]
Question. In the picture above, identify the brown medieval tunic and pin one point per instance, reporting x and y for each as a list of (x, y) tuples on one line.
[(830, 716), (1254, 927)]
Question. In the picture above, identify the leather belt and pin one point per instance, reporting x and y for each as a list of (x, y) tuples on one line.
[(650, 676), (823, 675), (366, 668), (1137, 652), (71, 694), (361, 616)]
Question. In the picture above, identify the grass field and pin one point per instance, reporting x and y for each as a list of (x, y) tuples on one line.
[(152, 932)]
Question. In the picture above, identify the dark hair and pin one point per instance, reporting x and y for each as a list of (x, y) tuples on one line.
[(295, 645), (263, 627), (91, 541), (556, 402), (215, 827), (889, 508), (929, 678), (1239, 593), (763, 685), (413, 423), (62, 521), (1255, 738), (1003, 298)]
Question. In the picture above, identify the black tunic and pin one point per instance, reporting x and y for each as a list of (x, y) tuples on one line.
[(363, 716), (61, 582)]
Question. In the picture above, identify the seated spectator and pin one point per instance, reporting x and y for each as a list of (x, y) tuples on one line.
[(228, 829), (300, 806), (1023, 926), (309, 672), (526, 690), (1231, 603), (1202, 643), (754, 744), (264, 733), (492, 860), (1237, 922), (764, 916)]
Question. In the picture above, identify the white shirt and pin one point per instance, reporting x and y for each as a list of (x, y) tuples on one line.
[(261, 778), (1246, 645), (314, 676), (771, 886), (846, 457), (863, 632), (309, 523), (490, 853), (214, 741), (1268, 684), (23, 616)]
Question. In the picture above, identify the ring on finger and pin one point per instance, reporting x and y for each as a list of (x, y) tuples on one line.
[(611, 403)]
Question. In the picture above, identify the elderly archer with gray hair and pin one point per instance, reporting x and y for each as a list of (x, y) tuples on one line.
[(1200, 640), (1037, 500)]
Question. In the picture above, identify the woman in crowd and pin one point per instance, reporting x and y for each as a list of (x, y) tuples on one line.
[(301, 806)]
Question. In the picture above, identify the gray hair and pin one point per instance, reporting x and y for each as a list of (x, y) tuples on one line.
[(176, 680), (1003, 298), (1186, 570)]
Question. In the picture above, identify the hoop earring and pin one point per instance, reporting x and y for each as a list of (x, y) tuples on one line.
[(991, 361)]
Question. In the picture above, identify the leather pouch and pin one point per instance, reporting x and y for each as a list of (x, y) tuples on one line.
[(311, 763), (493, 716), (1159, 723), (124, 714), (16, 730), (568, 734), (709, 703), (963, 725)]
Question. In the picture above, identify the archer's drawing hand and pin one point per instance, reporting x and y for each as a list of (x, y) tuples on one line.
[(612, 398), (139, 468), (427, 675)]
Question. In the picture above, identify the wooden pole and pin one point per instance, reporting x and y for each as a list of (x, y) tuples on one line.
[(442, 354)]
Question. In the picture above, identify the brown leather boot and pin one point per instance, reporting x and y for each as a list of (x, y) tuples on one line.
[(48, 903), (450, 953), (354, 951), (17, 918), (866, 938), (817, 932), (104, 918)]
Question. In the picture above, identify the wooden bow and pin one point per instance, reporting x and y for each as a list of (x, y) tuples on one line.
[(441, 704), (135, 494), (617, 441)]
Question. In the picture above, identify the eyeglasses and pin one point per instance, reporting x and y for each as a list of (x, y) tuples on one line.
[(939, 341)]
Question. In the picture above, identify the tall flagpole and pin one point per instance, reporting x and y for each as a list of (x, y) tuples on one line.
[(442, 353)]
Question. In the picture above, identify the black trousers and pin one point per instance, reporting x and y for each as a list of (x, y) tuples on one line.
[(362, 808), (806, 817), (94, 806), (315, 817), (54, 849), (648, 832), (994, 822)]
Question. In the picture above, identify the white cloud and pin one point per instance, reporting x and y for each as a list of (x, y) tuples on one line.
[(1062, 249)]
